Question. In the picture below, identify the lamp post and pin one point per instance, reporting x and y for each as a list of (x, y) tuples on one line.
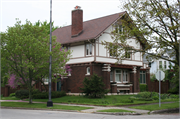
[(49, 102)]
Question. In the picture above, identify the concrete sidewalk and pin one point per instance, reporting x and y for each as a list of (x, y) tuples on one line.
[(94, 110)]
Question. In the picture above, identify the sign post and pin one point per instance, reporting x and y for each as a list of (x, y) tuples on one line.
[(160, 76)]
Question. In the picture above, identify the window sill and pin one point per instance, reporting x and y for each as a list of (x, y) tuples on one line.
[(87, 74)]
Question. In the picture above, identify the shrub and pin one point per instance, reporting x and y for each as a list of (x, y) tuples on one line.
[(143, 87), (22, 94), (144, 95), (45, 95), (94, 87), (12, 94)]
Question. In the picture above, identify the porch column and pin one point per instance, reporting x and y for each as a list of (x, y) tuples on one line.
[(106, 75), (134, 79)]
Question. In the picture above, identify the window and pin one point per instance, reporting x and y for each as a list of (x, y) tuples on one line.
[(88, 49), (125, 76), (111, 76), (119, 29), (88, 71), (160, 64), (165, 65), (46, 80), (127, 54), (142, 77), (118, 76), (112, 51)]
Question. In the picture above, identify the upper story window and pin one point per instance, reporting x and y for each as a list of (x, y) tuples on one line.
[(165, 66), (88, 49), (160, 64), (142, 77), (127, 54), (112, 52), (119, 28), (46, 80)]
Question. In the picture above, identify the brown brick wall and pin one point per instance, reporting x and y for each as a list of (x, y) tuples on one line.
[(77, 22)]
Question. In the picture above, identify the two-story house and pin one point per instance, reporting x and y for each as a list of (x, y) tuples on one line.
[(90, 57)]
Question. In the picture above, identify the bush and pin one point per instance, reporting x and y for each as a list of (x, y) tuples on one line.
[(94, 87), (143, 87), (12, 94), (45, 95), (22, 94)]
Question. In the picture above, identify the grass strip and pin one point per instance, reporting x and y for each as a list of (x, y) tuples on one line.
[(42, 106), (114, 110), (156, 106)]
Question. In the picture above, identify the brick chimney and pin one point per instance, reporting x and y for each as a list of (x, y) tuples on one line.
[(77, 21)]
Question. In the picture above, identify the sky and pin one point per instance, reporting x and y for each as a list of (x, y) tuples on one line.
[(34, 10)]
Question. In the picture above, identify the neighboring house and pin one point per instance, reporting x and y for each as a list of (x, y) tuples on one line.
[(90, 57), (161, 64)]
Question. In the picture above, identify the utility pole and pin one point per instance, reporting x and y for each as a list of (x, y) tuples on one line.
[(50, 103)]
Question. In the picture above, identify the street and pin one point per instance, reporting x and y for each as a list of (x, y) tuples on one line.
[(44, 114)]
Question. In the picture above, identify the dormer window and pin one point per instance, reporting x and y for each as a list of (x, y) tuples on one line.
[(88, 49)]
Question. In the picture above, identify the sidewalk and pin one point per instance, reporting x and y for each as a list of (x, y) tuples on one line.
[(95, 108)]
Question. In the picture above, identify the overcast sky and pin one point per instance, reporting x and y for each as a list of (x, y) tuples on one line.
[(35, 10)]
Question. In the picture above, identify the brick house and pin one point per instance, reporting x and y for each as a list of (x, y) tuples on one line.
[(90, 57)]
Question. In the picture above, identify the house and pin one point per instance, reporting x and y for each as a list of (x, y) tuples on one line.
[(161, 64), (90, 57)]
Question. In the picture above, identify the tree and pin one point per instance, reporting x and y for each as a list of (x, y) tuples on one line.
[(94, 87), (25, 51), (155, 24)]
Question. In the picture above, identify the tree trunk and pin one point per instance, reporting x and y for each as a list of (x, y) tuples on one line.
[(30, 96)]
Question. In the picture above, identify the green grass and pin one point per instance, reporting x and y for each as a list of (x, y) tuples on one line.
[(114, 110), (156, 106), (42, 106), (9, 98), (113, 100)]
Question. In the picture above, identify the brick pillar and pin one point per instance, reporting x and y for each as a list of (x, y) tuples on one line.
[(113, 88), (134, 79), (106, 75)]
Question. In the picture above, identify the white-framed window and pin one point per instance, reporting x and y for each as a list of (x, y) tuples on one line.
[(46, 80), (125, 76), (111, 76), (88, 49), (142, 76), (118, 76), (119, 28), (112, 52), (160, 64), (88, 71), (165, 66)]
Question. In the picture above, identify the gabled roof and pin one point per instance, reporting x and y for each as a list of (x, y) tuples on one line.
[(91, 29)]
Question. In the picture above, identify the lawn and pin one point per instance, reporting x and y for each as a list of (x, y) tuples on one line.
[(156, 106), (114, 110), (42, 106), (113, 100)]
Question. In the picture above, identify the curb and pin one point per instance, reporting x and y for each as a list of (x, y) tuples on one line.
[(118, 113), (165, 111), (39, 109)]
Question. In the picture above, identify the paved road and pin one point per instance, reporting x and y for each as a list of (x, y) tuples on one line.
[(40, 114)]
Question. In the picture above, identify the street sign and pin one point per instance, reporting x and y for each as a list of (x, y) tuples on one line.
[(160, 75)]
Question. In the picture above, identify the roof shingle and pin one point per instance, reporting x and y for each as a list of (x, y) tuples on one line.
[(91, 29)]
